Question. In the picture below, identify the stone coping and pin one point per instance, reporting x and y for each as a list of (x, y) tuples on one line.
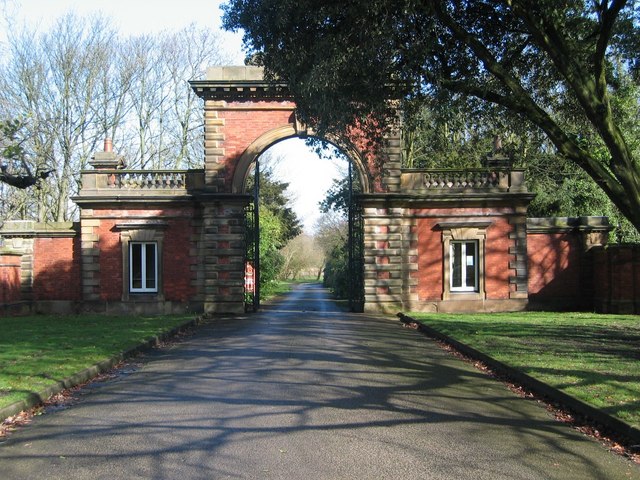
[(235, 72), (32, 229), (568, 224)]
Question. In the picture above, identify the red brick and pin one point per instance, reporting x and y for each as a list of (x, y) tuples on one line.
[(56, 269)]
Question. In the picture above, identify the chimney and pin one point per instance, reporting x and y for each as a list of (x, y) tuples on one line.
[(105, 160)]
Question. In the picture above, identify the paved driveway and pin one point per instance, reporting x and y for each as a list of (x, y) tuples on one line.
[(304, 391)]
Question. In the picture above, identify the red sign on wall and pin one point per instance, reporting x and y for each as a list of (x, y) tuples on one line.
[(249, 278)]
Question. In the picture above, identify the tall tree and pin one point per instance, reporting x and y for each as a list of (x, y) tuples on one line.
[(50, 80), (302, 254), (548, 61), (332, 233), (273, 196), (79, 82), (278, 225)]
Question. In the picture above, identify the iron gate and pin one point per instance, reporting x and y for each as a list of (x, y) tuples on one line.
[(252, 248), (356, 250), (251, 284)]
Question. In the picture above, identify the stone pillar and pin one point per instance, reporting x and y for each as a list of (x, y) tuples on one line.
[(90, 253), (104, 161), (390, 257), (214, 153), (520, 280), (10, 273), (19, 240), (224, 253), (594, 231), (392, 168)]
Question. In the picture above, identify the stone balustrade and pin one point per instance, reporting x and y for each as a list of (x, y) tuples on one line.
[(150, 179), (461, 179), (107, 182), (443, 180)]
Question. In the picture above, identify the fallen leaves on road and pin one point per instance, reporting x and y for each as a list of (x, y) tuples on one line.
[(12, 423)]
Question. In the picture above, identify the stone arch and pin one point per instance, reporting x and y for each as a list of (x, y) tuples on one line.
[(278, 134)]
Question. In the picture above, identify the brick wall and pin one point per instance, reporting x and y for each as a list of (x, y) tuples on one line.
[(554, 266), (616, 278), (56, 269), (179, 253), (178, 261), (430, 262), (242, 127), (563, 259), (9, 278), (231, 127), (110, 260), (497, 257)]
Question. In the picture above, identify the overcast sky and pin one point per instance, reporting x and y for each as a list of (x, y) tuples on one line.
[(130, 16)]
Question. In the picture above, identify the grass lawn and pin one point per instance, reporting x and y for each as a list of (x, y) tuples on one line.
[(595, 358), (37, 351)]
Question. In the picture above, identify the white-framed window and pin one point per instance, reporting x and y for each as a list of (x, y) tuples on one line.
[(143, 267), (142, 255), (463, 249), (463, 262)]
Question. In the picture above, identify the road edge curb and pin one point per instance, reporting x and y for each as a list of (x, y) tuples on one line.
[(36, 398), (612, 424)]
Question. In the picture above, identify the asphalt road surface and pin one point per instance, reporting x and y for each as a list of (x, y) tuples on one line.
[(304, 391)]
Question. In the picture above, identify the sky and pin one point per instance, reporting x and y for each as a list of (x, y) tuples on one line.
[(308, 176)]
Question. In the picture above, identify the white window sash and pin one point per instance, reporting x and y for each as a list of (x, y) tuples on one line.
[(143, 266), (461, 262)]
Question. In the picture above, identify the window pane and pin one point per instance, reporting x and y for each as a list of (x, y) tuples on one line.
[(456, 265), (471, 256), (150, 269), (136, 265)]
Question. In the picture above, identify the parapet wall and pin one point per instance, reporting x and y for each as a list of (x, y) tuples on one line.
[(560, 251), (616, 275), (39, 267)]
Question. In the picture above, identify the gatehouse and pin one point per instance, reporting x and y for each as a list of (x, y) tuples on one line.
[(165, 241)]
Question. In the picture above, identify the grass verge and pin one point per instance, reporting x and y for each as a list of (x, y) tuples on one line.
[(594, 358), (39, 351)]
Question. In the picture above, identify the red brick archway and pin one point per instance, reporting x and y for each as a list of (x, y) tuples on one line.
[(243, 166), (244, 115)]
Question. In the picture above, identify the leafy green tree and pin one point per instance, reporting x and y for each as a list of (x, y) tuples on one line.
[(278, 225), (332, 232), (549, 62), (338, 198), (446, 133), (332, 235), (454, 132), (271, 260), (272, 196)]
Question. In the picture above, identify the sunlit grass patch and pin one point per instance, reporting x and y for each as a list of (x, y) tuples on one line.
[(595, 358), (38, 351)]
